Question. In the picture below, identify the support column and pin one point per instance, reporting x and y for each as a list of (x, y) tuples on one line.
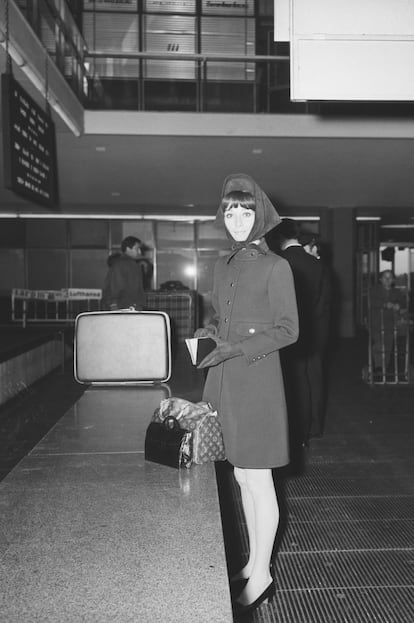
[(342, 225)]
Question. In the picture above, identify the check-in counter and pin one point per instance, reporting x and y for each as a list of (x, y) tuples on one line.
[(27, 355), (96, 533)]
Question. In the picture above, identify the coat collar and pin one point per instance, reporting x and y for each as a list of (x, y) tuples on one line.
[(248, 251)]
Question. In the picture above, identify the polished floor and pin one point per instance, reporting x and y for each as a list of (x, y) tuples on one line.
[(345, 552), (90, 531), (345, 544)]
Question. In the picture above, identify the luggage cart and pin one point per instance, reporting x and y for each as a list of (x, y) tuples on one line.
[(389, 352), (182, 308), (52, 306)]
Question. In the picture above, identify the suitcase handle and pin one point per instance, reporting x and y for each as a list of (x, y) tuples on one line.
[(171, 423)]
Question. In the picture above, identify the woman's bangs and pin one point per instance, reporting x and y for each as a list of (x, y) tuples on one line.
[(238, 197)]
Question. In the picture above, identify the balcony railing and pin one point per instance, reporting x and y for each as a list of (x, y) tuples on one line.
[(170, 81), (54, 26)]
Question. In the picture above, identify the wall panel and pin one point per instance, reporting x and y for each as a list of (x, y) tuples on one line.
[(47, 269)]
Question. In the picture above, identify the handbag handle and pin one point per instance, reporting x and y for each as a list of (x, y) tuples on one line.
[(171, 423)]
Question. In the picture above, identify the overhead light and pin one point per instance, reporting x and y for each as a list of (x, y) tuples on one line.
[(116, 194), (65, 117), (303, 218), (398, 226), (368, 218), (100, 148), (119, 217), (257, 151), (190, 271), (18, 58)]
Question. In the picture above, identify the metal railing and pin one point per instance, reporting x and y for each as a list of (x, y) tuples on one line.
[(206, 83), (52, 306), (389, 351), (53, 24), (217, 82)]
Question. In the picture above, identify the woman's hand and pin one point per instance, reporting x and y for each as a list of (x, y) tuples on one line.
[(208, 331), (221, 353)]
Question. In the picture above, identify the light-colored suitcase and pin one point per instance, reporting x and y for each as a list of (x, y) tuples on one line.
[(122, 347)]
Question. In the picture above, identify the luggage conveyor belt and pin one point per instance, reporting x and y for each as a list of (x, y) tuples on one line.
[(93, 532)]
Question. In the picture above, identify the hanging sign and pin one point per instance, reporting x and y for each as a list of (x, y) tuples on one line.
[(110, 5), (29, 146), (228, 7), (170, 6)]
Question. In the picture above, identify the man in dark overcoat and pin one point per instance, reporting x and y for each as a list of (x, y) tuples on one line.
[(302, 362), (123, 285)]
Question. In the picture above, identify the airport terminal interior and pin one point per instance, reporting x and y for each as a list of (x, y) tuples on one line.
[(123, 118)]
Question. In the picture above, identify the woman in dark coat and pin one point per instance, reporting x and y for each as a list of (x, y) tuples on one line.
[(255, 316)]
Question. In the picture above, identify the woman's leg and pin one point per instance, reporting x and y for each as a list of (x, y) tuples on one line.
[(259, 483), (249, 515)]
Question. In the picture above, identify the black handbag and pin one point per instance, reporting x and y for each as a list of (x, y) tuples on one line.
[(168, 444)]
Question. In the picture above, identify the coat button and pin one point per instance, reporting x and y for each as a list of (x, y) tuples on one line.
[(226, 320), (232, 284), (228, 302), (252, 330)]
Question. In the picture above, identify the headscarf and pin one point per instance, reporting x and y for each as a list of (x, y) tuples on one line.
[(266, 216)]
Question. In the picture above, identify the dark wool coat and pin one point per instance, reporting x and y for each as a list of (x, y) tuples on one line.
[(123, 286), (302, 363), (255, 304), (312, 286)]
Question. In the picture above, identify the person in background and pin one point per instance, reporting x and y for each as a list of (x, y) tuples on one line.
[(255, 316), (302, 362), (146, 266), (123, 285), (388, 315), (310, 245)]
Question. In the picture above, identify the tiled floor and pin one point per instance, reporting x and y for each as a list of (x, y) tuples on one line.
[(346, 542), (345, 547)]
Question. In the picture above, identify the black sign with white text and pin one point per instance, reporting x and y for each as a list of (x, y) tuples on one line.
[(29, 146)]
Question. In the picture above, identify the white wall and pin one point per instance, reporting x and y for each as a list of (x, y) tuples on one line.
[(359, 50)]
